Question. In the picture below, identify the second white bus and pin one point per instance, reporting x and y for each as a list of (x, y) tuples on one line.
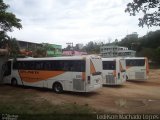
[(137, 68), (114, 71), (75, 73)]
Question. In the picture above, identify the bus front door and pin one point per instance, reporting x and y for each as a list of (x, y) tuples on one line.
[(7, 72)]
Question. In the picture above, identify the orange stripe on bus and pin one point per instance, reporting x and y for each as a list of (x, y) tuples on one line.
[(127, 67), (37, 75), (92, 68), (121, 68), (114, 73), (83, 75)]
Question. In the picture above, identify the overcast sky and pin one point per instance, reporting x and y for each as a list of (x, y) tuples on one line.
[(77, 21)]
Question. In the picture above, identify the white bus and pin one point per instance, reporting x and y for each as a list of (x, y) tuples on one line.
[(76, 73), (114, 71), (137, 68)]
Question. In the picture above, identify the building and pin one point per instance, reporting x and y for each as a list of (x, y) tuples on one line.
[(27, 48), (24, 45), (116, 51), (73, 53)]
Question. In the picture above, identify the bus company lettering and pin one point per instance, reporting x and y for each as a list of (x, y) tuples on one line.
[(29, 71)]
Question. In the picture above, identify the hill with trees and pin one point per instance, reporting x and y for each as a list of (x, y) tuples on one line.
[(145, 46)]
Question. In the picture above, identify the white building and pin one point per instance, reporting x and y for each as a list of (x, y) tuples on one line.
[(116, 51)]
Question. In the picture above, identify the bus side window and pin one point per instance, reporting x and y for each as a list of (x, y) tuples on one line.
[(109, 65), (112, 66), (67, 65), (23, 65), (39, 65), (129, 62), (82, 66), (57, 65), (78, 66), (7, 68), (46, 65), (15, 65), (31, 65), (75, 66), (141, 62)]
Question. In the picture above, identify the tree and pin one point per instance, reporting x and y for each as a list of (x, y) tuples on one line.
[(130, 41), (92, 47), (13, 47), (151, 39), (7, 22), (76, 47), (68, 47), (150, 9), (40, 52), (3, 39), (147, 52), (156, 56)]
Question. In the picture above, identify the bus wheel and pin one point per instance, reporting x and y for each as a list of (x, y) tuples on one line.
[(14, 82), (57, 87)]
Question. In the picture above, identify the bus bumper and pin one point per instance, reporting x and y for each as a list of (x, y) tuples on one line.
[(94, 87)]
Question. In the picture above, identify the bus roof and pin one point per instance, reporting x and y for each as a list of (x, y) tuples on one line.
[(59, 58), (135, 58), (112, 59)]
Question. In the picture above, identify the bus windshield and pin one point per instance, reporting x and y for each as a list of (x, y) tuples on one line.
[(122, 65), (109, 65), (135, 62)]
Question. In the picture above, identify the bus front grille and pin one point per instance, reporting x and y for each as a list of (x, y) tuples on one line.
[(78, 84), (110, 79), (139, 75)]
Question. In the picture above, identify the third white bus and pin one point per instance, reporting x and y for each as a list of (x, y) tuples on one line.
[(75, 73), (137, 68), (114, 71)]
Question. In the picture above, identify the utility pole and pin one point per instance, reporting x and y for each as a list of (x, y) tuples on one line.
[(71, 44)]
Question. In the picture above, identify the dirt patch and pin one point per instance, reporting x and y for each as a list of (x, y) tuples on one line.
[(132, 97), (121, 99)]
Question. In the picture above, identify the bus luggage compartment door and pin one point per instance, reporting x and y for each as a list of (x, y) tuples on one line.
[(78, 85)]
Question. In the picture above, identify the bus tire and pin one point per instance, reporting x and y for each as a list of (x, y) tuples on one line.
[(14, 82), (57, 87)]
